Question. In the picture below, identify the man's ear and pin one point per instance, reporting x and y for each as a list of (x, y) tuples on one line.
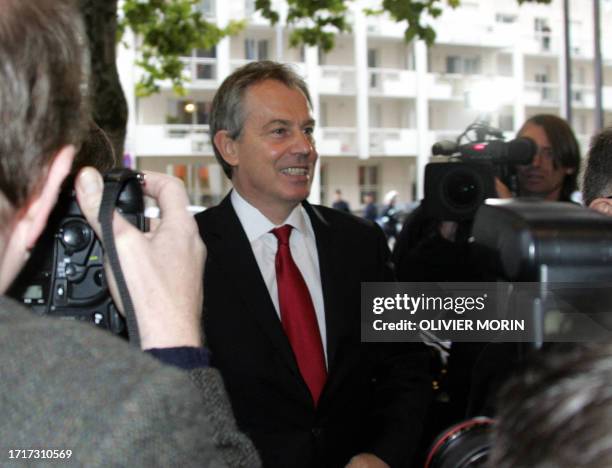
[(42, 202), (603, 205), (227, 147)]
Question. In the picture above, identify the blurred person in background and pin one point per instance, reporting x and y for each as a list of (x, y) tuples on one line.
[(339, 203)]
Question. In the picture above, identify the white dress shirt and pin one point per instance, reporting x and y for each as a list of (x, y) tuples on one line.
[(302, 244)]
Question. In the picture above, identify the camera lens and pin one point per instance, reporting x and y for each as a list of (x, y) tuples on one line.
[(461, 189), (76, 235)]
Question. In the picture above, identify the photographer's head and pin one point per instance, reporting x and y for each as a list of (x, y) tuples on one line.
[(43, 109), (558, 414), (597, 183), (552, 174)]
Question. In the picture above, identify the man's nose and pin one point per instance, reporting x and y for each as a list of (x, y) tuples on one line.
[(303, 143)]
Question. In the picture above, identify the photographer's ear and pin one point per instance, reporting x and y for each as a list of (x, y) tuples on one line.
[(38, 208), (31, 219), (603, 205)]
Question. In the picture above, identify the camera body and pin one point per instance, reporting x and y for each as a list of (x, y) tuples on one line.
[(65, 276), (454, 190)]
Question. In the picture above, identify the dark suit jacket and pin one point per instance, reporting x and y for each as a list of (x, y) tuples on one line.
[(375, 396)]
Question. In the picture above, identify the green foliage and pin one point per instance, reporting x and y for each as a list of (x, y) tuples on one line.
[(168, 30)]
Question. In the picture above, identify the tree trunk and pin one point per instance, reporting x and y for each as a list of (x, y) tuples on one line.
[(109, 106)]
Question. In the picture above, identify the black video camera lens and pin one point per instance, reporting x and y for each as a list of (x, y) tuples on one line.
[(462, 190)]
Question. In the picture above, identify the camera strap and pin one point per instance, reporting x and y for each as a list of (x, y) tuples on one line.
[(113, 183)]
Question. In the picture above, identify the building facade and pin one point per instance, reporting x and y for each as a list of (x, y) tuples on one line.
[(379, 102)]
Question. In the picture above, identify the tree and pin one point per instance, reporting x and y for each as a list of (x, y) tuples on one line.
[(170, 29)]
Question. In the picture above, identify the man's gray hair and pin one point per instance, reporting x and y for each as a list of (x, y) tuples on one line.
[(228, 104)]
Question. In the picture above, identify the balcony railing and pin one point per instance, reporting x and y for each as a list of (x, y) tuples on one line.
[(392, 82), (337, 141), (393, 142), (337, 80), (173, 140), (541, 94)]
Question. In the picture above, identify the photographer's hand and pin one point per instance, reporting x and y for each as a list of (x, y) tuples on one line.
[(163, 267)]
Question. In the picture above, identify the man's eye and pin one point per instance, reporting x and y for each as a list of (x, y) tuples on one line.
[(309, 130), (279, 131)]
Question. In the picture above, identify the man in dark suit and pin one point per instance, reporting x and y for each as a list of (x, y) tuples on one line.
[(71, 393), (341, 402)]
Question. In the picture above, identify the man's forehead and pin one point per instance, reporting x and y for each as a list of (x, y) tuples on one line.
[(271, 101)]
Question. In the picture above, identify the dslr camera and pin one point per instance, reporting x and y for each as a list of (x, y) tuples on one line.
[(64, 276), (457, 186)]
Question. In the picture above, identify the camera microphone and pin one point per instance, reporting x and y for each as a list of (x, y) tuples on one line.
[(518, 151)]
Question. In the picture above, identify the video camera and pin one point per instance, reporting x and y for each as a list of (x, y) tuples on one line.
[(453, 192), (65, 274)]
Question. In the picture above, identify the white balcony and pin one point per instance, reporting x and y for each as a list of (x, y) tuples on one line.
[(541, 94), (172, 140), (477, 34), (392, 82), (337, 141), (337, 80), (456, 87), (393, 142)]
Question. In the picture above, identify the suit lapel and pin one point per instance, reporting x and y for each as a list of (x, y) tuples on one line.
[(228, 243), (329, 264)]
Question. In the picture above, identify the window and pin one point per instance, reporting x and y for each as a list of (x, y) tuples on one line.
[(542, 78), (368, 181), (189, 112), (505, 18), (471, 65), (207, 8), (373, 63), (256, 49), (462, 65), (453, 64)]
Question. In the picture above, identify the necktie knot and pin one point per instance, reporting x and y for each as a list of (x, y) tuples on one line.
[(282, 233)]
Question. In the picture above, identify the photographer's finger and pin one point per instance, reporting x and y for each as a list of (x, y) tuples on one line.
[(89, 186), (169, 192)]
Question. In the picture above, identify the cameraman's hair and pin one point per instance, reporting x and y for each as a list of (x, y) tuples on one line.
[(228, 104), (565, 147), (597, 180), (558, 413), (44, 66)]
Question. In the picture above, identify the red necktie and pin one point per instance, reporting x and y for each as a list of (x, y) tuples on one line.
[(298, 316)]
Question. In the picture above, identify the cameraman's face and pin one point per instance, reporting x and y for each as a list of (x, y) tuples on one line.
[(544, 177)]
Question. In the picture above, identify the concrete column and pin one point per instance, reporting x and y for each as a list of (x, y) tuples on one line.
[(518, 73), (422, 115), (312, 79), (223, 47), (361, 79)]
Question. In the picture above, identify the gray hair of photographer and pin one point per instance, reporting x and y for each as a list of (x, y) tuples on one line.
[(558, 412)]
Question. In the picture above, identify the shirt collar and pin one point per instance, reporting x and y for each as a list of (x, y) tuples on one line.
[(255, 224)]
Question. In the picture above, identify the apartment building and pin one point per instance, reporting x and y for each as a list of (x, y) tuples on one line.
[(380, 103)]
